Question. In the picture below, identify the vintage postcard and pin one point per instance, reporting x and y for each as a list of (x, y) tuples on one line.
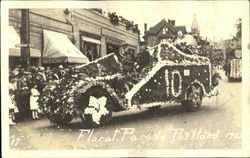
[(125, 78)]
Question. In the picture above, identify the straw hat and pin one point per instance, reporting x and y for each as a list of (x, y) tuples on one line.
[(40, 68)]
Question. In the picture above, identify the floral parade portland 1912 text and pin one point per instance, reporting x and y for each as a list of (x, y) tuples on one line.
[(174, 134)]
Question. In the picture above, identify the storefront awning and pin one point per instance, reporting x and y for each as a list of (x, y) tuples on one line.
[(14, 40), (59, 49), (91, 40), (16, 52)]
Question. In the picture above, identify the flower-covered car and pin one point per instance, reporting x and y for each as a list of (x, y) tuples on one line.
[(94, 90)]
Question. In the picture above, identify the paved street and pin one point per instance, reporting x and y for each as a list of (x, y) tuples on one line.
[(216, 125)]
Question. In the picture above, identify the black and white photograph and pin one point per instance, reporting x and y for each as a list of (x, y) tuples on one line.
[(125, 78)]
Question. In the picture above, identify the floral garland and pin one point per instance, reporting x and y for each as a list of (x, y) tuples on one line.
[(138, 86), (60, 97), (183, 54), (161, 63), (83, 87), (153, 104), (108, 77), (96, 61), (56, 99), (176, 94), (167, 81)]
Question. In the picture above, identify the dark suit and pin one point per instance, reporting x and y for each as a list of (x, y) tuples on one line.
[(23, 97), (142, 59)]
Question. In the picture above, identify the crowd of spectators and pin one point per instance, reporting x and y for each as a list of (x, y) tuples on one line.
[(26, 86)]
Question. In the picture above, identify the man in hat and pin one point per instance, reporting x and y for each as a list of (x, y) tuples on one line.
[(23, 95), (54, 75), (60, 72), (128, 59)]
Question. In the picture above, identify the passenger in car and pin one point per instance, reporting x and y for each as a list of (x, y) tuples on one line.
[(142, 58)]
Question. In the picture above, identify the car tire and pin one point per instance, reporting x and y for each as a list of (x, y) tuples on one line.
[(104, 119), (194, 98)]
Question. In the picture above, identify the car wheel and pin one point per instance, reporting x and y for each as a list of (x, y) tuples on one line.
[(98, 109), (194, 98)]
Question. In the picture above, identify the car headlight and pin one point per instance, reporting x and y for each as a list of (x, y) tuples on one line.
[(237, 53)]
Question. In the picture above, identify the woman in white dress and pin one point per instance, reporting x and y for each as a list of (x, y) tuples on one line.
[(12, 104), (33, 102)]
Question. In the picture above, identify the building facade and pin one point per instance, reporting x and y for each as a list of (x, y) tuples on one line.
[(91, 32), (162, 31)]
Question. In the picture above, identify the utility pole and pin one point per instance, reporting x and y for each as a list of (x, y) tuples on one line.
[(25, 39)]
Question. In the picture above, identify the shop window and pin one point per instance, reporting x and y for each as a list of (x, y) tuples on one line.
[(111, 48), (90, 45), (90, 50)]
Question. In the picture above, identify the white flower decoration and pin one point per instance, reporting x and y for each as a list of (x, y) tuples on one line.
[(97, 103), (97, 108)]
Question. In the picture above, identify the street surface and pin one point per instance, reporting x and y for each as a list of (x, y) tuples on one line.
[(216, 125)]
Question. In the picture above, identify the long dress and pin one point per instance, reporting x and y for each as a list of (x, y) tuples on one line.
[(33, 99), (12, 102)]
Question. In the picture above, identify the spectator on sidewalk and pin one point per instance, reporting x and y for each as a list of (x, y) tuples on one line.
[(23, 95), (40, 81), (54, 75), (60, 72), (11, 111), (12, 103), (33, 102)]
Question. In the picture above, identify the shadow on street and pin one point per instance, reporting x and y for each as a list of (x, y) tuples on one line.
[(138, 116)]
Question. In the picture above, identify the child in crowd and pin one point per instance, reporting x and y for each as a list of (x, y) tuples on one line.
[(33, 102), (12, 103), (11, 110)]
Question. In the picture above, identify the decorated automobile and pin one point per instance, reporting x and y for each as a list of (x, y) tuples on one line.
[(95, 90)]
